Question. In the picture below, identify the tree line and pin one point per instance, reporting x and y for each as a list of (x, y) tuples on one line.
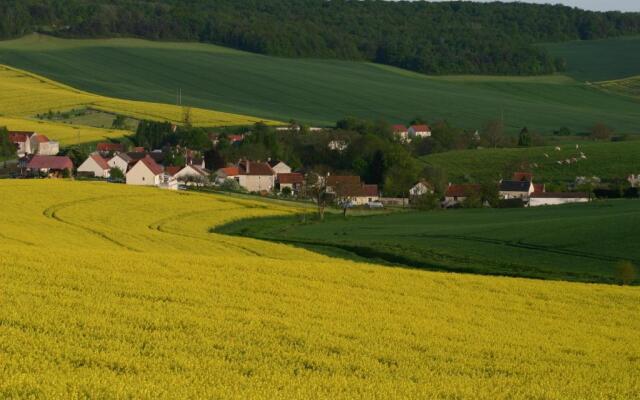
[(435, 38)]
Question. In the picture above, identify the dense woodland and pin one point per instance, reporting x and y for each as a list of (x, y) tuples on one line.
[(434, 38)]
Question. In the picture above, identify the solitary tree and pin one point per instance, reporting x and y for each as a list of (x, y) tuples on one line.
[(7, 148), (601, 132), (493, 132), (626, 272), (524, 139)]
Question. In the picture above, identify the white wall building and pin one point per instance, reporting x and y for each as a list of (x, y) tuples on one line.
[(95, 165), (145, 172), (552, 199)]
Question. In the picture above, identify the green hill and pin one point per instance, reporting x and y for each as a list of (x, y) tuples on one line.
[(314, 91), (605, 160), (600, 60), (576, 242)]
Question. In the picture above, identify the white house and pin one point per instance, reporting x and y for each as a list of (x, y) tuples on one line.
[(192, 174), (120, 161), (279, 167), (419, 189), (551, 199), (457, 194), (41, 145), (22, 141), (145, 172), (251, 175), (338, 145), (422, 131), (516, 190), (95, 165), (634, 180), (401, 132)]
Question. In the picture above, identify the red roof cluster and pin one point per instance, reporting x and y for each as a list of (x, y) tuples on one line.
[(399, 128), (41, 139), (50, 162), (255, 168), (20, 136), (172, 170), (230, 171), (102, 163)]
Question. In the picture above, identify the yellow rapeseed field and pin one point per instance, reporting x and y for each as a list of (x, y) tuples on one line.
[(109, 291), (23, 95)]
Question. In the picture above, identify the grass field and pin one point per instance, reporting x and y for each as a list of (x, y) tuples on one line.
[(110, 291), (583, 242), (607, 160), (23, 95), (600, 60), (316, 91)]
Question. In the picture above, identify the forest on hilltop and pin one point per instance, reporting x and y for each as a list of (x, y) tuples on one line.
[(434, 38)]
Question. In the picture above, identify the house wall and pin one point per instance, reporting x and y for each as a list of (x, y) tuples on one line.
[(362, 200), (554, 201), (281, 168), (141, 175), (414, 133), (117, 162), (257, 183), (90, 166), (48, 148), (514, 195)]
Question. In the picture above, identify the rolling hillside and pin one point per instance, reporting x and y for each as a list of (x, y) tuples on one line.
[(533, 242), (600, 60), (605, 160), (315, 91), (110, 291)]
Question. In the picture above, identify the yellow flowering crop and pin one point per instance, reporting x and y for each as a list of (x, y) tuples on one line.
[(24, 95), (109, 291)]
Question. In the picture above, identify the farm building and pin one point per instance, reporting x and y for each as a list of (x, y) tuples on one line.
[(421, 131), (40, 144), (145, 172), (106, 149), (350, 188), (121, 161), (252, 175), (95, 165), (456, 194), (551, 199), (53, 166), (420, 189), (279, 167), (22, 141), (293, 181), (190, 174), (516, 189), (338, 145), (401, 132)]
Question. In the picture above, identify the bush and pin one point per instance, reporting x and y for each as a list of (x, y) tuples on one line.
[(231, 185), (626, 272)]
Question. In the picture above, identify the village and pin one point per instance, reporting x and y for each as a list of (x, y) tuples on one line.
[(38, 157)]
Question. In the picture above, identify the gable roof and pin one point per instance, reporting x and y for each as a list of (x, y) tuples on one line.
[(273, 163), (399, 128), (151, 165), (255, 168), (230, 171), (173, 169), (370, 190), (515, 186), (19, 136), (50, 162), (41, 138), (292, 178), (102, 163), (421, 128), (463, 190), (337, 180), (125, 157)]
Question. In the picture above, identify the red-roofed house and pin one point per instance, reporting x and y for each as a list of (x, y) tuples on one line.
[(419, 131), (95, 165), (145, 172), (401, 132), (109, 148), (252, 175), (293, 181), (456, 194), (22, 140), (40, 144), (54, 166), (539, 188)]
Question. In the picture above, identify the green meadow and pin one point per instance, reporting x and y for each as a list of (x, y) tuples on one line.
[(607, 160), (584, 242), (314, 91)]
